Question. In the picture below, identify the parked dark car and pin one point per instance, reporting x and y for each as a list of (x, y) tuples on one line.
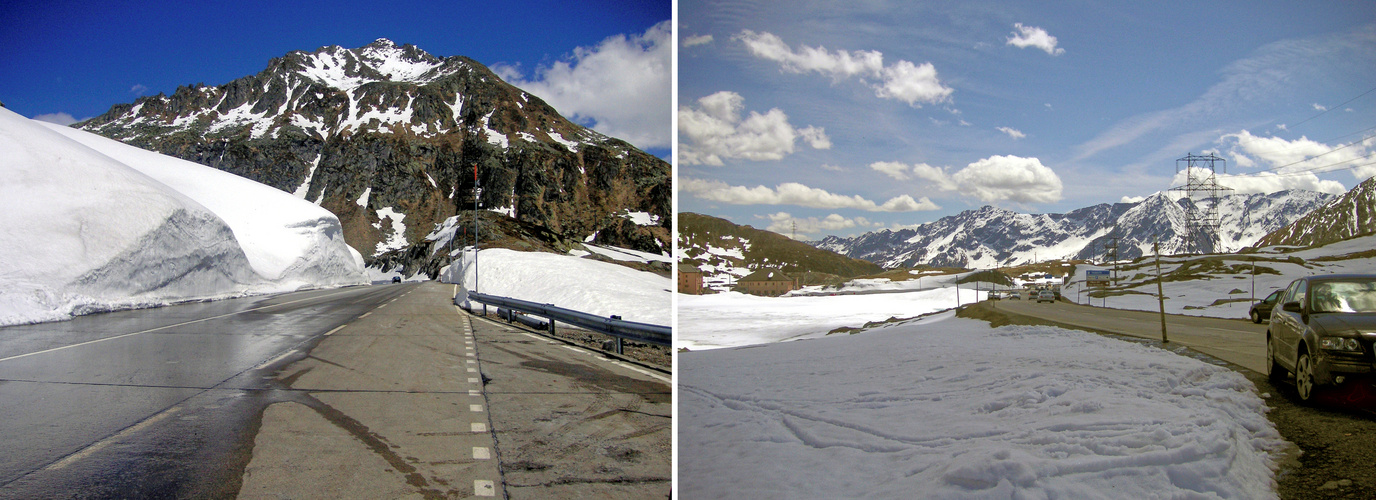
[(1323, 331), (1262, 309)]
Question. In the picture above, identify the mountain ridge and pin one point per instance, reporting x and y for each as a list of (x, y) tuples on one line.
[(990, 237), (388, 139)]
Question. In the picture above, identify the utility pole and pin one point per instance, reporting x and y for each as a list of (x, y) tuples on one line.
[(1160, 295), (477, 194)]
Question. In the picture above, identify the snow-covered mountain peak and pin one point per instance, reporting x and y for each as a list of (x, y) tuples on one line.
[(991, 237)]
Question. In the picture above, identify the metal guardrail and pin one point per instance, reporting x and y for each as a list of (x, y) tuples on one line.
[(615, 327)]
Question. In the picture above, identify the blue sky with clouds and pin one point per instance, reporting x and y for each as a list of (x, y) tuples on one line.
[(846, 117), (80, 57)]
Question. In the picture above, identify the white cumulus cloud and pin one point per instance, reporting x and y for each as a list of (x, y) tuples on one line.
[(1032, 36), (1012, 132), (622, 85), (1009, 178), (1291, 157), (914, 84), (1319, 107), (59, 118), (697, 40), (785, 223), (793, 193), (1132, 199), (715, 130), (1267, 182)]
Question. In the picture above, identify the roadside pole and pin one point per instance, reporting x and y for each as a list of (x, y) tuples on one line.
[(1160, 295)]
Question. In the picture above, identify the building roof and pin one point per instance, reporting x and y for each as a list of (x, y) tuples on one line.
[(767, 274)]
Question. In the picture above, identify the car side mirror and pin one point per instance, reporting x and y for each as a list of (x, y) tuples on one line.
[(1292, 306)]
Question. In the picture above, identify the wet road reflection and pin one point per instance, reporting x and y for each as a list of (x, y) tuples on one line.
[(156, 402)]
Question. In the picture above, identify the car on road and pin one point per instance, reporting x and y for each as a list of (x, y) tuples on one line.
[(1262, 309), (396, 279), (1323, 331), (1046, 296), (1014, 295), (995, 295)]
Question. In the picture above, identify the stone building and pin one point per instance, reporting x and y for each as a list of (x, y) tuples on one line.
[(769, 282), (689, 280)]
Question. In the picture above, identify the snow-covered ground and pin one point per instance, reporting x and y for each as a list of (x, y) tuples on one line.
[(1198, 297), (950, 408), (567, 281), (89, 224), (731, 319)]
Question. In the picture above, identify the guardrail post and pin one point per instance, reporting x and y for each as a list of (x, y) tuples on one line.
[(551, 326), (618, 346)]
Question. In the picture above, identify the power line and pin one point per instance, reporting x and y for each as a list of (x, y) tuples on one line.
[(1325, 111), (1348, 145)]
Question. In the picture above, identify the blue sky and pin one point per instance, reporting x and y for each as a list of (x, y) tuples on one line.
[(847, 117), (81, 57)]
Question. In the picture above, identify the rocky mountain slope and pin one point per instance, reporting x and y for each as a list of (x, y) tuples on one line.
[(1348, 216), (992, 237), (388, 138), (722, 248)]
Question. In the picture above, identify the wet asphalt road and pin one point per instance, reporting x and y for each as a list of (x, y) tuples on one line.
[(158, 402)]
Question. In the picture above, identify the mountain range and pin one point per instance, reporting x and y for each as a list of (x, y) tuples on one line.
[(991, 237), (390, 139)]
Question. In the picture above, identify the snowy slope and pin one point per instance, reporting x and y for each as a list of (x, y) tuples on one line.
[(950, 408), (570, 282), (81, 231)]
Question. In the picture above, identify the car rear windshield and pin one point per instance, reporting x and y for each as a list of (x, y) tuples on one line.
[(1355, 296)]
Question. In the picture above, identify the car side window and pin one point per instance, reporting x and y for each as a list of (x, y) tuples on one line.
[(1275, 296), (1289, 295), (1300, 290)]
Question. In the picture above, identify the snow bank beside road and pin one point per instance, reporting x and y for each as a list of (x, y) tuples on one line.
[(569, 282), (82, 231), (287, 240), (950, 408)]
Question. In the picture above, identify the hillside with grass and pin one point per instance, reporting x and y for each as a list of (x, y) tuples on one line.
[(1349, 216), (725, 251)]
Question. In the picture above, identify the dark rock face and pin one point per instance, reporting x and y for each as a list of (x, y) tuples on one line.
[(406, 128)]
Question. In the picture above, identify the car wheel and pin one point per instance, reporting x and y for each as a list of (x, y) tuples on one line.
[(1304, 377), (1256, 318), (1274, 370)]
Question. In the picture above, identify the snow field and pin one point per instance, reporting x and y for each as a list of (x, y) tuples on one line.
[(950, 408), (566, 281), (730, 319)]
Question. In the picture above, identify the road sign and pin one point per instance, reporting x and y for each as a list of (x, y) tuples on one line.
[(1096, 277)]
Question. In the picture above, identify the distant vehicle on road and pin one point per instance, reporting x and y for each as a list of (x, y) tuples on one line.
[(1046, 296), (1317, 332), (1262, 309), (995, 295), (396, 279), (1014, 296)]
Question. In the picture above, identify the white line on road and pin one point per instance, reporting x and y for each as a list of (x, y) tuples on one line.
[(643, 371), (481, 453), (472, 380), (475, 408), (478, 427), (483, 488), (163, 328), (338, 328), (92, 449), (365, 315), (274, 360)]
